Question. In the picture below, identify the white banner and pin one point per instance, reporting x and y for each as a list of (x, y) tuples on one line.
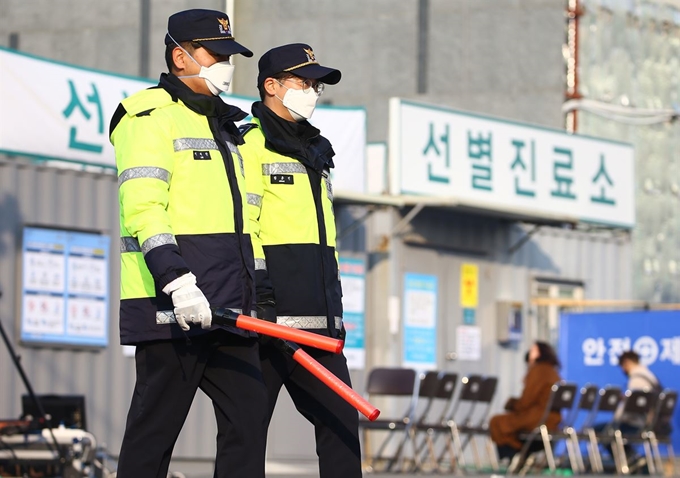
[(57, 111), (499, 165)]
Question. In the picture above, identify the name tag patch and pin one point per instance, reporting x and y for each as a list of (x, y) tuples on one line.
[(281, 178), (201, 155)]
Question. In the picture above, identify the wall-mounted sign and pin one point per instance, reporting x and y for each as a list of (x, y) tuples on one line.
[(65, 287), (75, 111), (420, 321), (590, 345), (469, 286), (469, 343), (503, 166), (353, 276)]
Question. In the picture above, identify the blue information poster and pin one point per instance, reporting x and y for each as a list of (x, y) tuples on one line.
[(420, 321), (590, 346), (65, 287), (353, 276)]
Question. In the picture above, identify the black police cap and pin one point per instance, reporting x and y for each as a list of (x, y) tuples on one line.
[(210, 28), (298, 59)]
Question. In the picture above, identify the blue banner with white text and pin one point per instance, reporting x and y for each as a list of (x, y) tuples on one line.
[(591, 343)]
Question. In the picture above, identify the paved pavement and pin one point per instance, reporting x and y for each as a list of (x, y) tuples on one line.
[(309, 470)]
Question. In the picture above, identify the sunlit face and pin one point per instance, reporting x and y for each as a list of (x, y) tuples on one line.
[(534, 354), (626, 366), (186, 66)]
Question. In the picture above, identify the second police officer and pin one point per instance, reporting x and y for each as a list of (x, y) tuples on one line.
[(290, 196)]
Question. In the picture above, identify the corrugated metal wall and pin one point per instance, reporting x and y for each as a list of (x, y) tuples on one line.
[(40, 195), (437, 242), (33, 194)]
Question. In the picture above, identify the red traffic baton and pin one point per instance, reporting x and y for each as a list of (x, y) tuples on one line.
[(224, 316), (327, 377)]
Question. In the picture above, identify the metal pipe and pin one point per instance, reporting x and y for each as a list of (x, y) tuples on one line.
[(44, 418), (574, 11), (144, 37)]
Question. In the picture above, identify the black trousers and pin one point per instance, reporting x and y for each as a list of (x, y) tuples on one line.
[(226, 367), (336, 422)]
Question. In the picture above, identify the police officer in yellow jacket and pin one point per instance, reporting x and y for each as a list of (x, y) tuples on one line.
[(185, 245), (289, 189)]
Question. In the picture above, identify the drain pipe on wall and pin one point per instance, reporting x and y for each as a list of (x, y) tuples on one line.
[(574, 11)]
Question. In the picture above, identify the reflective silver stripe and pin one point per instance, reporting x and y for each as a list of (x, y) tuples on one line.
[(306, 321), (234, 150), (129, 244), (168, 316), (260, 264), (165, 317), (144, 172), (329, 188), (283, 168), (182, 144), (157, 240), (254, 199)]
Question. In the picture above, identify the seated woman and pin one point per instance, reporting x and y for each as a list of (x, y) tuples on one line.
[(525, 413)]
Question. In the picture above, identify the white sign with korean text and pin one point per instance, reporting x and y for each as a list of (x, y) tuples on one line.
[(499, 165), (58, 111), (598, 351), (469, 342)]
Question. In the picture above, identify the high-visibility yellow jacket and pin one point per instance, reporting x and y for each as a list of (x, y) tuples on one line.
[(182, 208), (293, 234)]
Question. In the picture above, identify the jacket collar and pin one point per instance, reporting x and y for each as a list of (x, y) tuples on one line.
[(210, 106), (301, 141)]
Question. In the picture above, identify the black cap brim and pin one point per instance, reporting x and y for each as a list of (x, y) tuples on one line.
[(330, 76), (226, 47)]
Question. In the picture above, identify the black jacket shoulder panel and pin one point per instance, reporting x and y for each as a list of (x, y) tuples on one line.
[(117, 116), (245, 128)]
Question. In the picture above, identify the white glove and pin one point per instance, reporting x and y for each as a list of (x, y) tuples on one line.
[(190, 303)]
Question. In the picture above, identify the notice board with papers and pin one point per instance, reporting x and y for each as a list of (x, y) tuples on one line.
[(65, 287)]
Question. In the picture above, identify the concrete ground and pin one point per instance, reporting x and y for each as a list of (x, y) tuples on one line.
[(279, 469)]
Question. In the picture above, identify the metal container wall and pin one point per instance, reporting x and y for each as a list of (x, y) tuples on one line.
[(41, 195)]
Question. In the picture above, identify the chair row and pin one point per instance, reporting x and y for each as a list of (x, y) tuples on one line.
[(581, 410), (432, 411)]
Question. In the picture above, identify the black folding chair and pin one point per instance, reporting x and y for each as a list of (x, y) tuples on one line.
[(587, 404), (607, 403), (447, 425), (402, 385), (637, 405), (438, 389), (662, 428), (562, 397), (428, 385), (479, 426)]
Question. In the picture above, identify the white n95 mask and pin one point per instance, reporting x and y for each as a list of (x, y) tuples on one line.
[(217, 76), (300, 104)]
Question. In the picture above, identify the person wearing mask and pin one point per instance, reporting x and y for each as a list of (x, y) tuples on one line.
[(523, 414), (185, 246), (288, 166)]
